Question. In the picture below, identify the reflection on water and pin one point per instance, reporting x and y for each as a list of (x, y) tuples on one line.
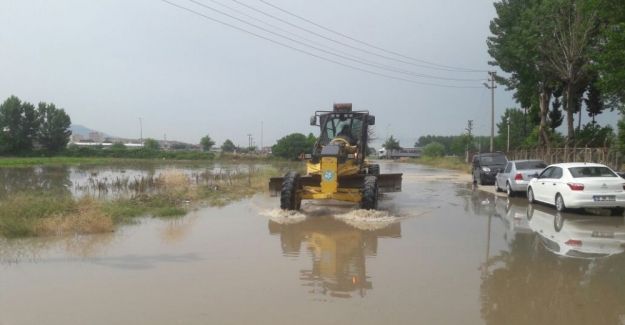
[(557, 269), (339, 253), (114, 181)]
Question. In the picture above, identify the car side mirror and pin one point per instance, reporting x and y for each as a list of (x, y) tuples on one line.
[(371, 120), (313, 120)]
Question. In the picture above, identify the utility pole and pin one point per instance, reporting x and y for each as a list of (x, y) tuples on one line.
[(469, 129), (492, 106), (249, 141), (140, 130), (261, 135), (508, 146)]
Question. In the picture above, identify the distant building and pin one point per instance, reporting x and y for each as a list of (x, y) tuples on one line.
[(401, 153)]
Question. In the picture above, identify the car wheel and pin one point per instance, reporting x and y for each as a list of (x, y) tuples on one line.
[(497, 189), (558, 222), (530, 195), (509, 190), (560, 207)]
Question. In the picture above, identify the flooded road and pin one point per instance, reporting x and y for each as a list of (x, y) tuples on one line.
[(438, 253)]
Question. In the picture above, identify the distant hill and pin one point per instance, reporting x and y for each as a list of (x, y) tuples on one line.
[(83, 131)]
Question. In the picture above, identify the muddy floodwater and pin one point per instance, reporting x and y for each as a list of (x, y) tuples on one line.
[(440, 252)]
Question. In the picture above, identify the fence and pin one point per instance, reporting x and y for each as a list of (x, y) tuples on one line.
[(603, 155)]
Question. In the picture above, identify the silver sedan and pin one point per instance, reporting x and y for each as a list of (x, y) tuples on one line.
[(517, 174)]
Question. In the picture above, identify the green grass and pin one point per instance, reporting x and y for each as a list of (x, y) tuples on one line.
[(453, 163)]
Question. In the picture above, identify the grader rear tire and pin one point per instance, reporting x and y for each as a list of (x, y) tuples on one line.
[(369, 200), (289, 199)]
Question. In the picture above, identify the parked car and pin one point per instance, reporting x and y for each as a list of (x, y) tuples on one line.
[(517, 174), (578, 185), (487, 165)]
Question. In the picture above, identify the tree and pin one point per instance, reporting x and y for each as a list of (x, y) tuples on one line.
[(594, 101), (18, 126), (151, 144), (291, 146), (571, 35), (207, 143), (228, 146), (118, 146), (593, 135), (555, 114), (434, 149), (609, 58), (53, 130), (517, 128), (391, 144), (515, 47)]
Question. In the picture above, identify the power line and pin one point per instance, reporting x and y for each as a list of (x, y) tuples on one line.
[(440, 67), (448, 68), (353, 59), (323, 48), (310, 53)]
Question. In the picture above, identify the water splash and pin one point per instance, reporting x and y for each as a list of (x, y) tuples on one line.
[(284, 217)]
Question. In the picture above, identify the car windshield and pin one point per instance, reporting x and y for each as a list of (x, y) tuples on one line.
[(591, 171), (524, 165), (493, 160)]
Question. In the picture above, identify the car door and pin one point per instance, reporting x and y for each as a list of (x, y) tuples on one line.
[(539, 187), (552, 185), (502, 177)]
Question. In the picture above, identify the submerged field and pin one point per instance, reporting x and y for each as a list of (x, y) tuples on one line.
[(61, 200)]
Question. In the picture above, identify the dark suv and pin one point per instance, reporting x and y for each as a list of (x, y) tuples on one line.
[(487, 165)]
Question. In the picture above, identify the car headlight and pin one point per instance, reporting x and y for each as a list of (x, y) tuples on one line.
[(486, 169)]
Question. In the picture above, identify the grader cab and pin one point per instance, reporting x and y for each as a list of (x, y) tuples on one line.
[(337, 168)]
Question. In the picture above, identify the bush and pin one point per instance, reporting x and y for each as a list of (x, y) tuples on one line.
[(291, 146), (434, 149)]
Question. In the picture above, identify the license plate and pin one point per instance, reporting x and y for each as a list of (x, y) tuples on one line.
[(601, 198), (602, 234)]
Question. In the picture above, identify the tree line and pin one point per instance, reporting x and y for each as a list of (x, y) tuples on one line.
[(560, 56), (24, 127)]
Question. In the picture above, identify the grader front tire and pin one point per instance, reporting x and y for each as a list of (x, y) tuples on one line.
[(289, 199), (369, 200)]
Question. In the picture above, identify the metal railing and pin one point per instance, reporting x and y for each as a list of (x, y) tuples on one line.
[(603, 155)]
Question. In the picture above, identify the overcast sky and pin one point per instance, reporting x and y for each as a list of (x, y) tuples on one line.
[(110, 62)]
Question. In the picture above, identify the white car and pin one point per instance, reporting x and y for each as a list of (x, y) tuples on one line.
[(578, 185)]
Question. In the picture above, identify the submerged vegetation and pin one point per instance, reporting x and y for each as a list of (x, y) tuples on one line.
[(448, 162), (169, 194)]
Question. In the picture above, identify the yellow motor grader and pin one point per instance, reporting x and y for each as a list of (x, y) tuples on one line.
[(337, 167)]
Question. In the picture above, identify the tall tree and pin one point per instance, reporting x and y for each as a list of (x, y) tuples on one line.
[(207, 143), (53, 131), (570, 31), (515, 46)]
